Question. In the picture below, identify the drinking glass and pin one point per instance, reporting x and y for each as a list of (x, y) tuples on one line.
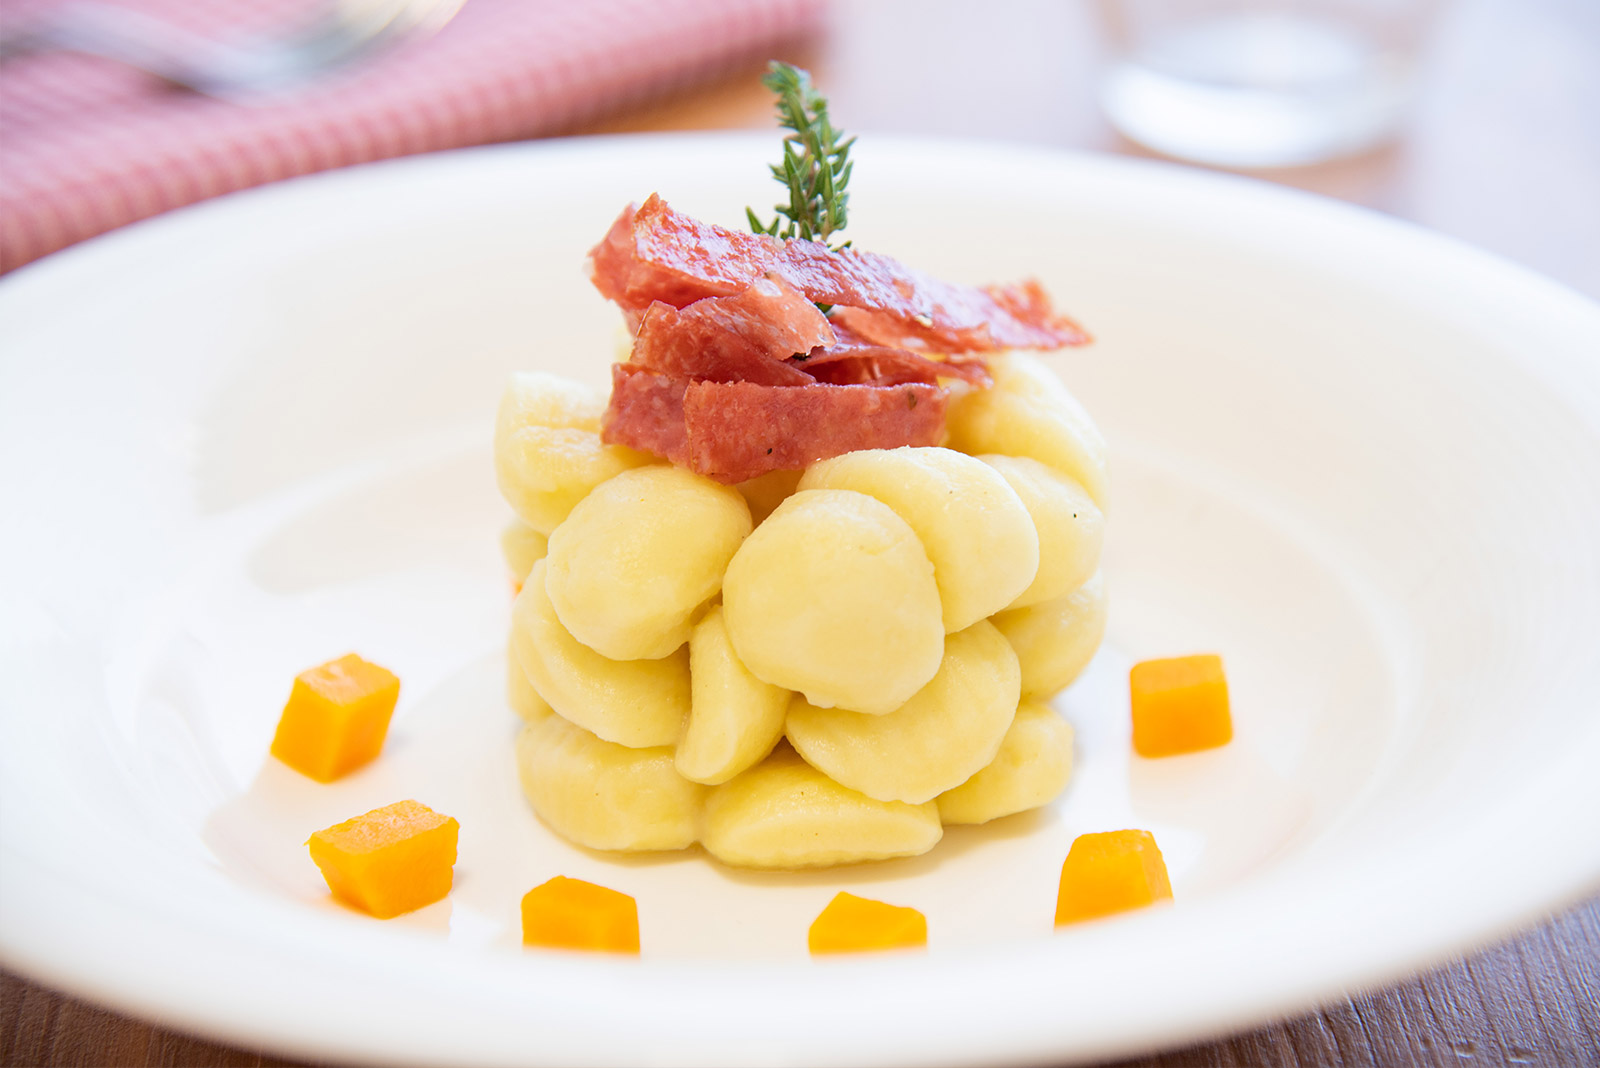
[(1261, 83)]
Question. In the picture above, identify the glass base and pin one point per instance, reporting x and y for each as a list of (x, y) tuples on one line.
[(1259, 90)]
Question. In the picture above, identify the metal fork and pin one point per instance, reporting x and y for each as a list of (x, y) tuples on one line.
[(240, 69)]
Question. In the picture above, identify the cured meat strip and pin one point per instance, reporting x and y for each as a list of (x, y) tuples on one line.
[(742, 338), (646, 413), (738, 430), (654, 253), (678, 259), (853, 359), (733, 431), (898, 368), (612, 259), (1026, 321)]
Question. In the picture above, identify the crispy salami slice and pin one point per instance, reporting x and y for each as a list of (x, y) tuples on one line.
[(742, 338), (611, 261), (678, 259), (1027, 321), (738, 430), (854, 360), (732, 431), (896, 367), (646, 413)]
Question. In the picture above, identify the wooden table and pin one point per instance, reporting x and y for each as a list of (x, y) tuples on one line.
[(1503, 151)]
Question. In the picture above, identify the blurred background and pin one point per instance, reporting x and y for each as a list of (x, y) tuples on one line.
[(1477, 118)]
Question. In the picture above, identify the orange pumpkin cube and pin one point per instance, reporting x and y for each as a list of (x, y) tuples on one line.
[(851, 924), (572, 914), (391, 860), (337, 718), (1108, 873), (1179, 705)]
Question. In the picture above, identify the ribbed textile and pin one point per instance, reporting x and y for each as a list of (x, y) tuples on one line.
[(88, 144)]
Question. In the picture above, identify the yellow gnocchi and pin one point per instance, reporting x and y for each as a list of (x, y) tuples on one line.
[(808, 668), (606, 796), (833, 596), (521, 695), (638, 703), (973, 526), (947, 732), (1029, 412), (547, 449), (783, 813), (522, 547), (1055, 641), (1031, 768), (1070, 526), (637, 558), (734, 718)]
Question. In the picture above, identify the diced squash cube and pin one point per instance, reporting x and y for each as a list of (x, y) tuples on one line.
[(1179, 705), (1110, 872), (851, 924), (392, 860), (572, 914), (337, 718)]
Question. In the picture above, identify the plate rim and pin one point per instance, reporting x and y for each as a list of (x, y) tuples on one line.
[(36, 949)]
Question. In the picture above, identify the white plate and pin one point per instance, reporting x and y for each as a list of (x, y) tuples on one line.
[(1360, 461)]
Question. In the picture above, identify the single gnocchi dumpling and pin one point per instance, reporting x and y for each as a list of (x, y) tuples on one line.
[(547, 449), (734, 718), (1029, 412), (1056, 640), (637, 703), (971, 523), (1070, 525), (950, 728), (834, 597), (524, 699), (783, 813), (606, 796), (639, 556), (522, 547), (1031, 769)]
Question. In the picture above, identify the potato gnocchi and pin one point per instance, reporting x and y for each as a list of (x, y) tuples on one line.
[(1056, 640), (1070, 526), (834, 597), (809, 668), (735, 719), (1032, 766), (638, 703), (973, 526), (547, 449), (950, 728), (520, 694), (606, 796), (1028, 412), (639, 556), (784, 813), (522, 547)]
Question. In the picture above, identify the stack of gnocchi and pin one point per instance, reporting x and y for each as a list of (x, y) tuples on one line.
[(811, 668)]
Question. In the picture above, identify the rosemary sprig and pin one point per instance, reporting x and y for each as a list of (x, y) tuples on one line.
[(816, 164)]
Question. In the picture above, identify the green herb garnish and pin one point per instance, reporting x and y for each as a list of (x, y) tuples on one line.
[(816, 164)]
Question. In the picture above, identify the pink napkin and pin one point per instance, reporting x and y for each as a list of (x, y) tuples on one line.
[(88, 144)]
